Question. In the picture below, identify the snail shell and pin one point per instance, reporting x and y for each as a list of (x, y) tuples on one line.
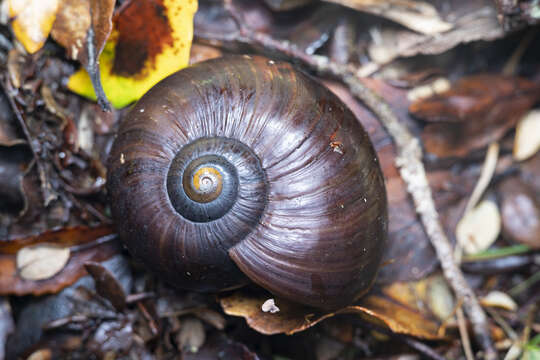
[(243, 168)]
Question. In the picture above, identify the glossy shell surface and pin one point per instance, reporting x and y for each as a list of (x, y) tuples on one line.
[(305, 216)]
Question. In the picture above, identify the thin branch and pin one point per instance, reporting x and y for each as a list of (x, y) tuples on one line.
[(46, 188), (408, 160), (464, 334)]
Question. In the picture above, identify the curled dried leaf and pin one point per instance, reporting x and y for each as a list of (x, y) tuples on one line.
[(398, 315)]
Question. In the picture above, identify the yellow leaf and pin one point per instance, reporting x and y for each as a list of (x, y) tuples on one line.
[(121, 84), (32, 21)]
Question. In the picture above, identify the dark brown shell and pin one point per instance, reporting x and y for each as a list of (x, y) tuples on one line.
[(310, 228)]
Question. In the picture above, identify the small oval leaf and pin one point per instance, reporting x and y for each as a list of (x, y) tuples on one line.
[(41, 261), (527, 140), (479, 227)]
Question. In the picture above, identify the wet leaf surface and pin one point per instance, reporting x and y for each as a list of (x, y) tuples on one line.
[(476, 111), (86, 244), (419, 16)]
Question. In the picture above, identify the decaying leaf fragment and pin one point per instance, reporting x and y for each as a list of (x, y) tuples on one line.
[(107, 285), (520, 211), (82, 27), (50, 261), (416, 15), (387, 310), (476, 111), (149, 41), (32, 21)]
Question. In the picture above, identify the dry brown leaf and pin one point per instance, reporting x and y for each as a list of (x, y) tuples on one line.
[(107, 285), (475, 112), (520, 211), (416, 15), (383, 310), (82, 27), (41, 261), (85, 244), (71, 26)]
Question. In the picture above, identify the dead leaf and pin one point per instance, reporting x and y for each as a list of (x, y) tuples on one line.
[(292, 318), (106, 284), (192, 335), (83, 243), (479, 228), (527, 139), (41, 261), (476, 111), (416, 15), (149, 41), (500, 300), (520, 211), (201, 52), (82, 27), (32, 21)]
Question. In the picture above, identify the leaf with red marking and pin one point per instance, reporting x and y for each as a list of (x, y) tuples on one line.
[(150, 40)]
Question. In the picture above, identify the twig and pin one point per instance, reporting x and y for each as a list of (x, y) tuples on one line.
[(46, 189), (464, 334), (409, 161), (488, 169)]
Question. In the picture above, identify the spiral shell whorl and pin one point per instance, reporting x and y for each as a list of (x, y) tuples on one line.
[(309, 218)]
